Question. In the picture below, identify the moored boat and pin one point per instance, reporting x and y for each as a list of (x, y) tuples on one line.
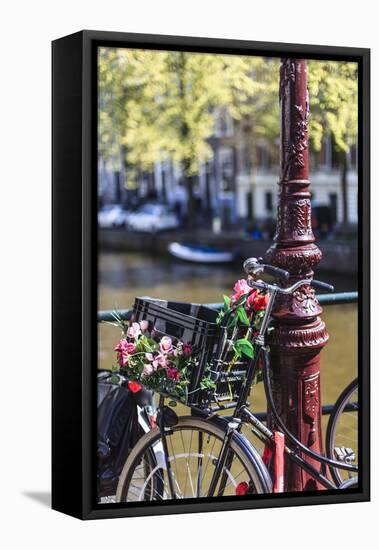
[(199, 253)]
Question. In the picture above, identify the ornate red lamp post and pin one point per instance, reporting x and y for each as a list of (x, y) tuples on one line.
[(300, 334)]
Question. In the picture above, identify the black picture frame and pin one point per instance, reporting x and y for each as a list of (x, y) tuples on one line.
[(74, 269)]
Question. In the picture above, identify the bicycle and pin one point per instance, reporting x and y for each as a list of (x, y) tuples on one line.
[(206, 454)]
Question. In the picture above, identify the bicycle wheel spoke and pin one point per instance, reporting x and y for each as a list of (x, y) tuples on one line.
[(199, 465), (188, 471), (210, 455), (173, 454)]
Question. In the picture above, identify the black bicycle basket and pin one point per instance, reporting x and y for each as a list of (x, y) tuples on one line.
[(191, 323), (196, 324)]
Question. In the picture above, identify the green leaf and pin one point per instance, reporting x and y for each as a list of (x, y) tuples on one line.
[(232, 321), (243, 316), (241, 300), (220, 317), (243, 345), (226, 302)]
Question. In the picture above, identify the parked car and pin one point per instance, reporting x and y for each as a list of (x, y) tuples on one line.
[(112, 215), (152, 218)]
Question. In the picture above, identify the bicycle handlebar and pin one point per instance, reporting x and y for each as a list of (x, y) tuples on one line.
[(254, 266), (261, 285), (322, 286)]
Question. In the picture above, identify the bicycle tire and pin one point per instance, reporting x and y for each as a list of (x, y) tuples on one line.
[(253, 472), (334, 432)]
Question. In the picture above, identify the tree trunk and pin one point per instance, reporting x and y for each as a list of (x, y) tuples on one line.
[(117, 187), (184, 133), (188, 181)]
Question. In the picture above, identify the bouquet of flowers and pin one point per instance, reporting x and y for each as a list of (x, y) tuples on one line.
[(244, 310), (161, 364), (165, 364)]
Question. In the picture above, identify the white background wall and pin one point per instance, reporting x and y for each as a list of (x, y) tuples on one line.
[(27, 29)]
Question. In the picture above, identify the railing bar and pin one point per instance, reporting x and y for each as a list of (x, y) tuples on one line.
[(324, 299), (326, 409)]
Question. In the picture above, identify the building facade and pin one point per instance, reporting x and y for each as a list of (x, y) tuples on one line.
[(239, 183)]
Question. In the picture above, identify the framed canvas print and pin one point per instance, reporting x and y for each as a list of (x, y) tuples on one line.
[(210, 274)]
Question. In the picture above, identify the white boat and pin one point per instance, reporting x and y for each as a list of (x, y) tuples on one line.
[(198, 253)]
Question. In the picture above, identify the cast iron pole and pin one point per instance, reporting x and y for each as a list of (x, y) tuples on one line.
[(299, 333)]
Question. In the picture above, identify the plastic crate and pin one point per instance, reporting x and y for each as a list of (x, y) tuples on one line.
[(189, 322), (196, 324)]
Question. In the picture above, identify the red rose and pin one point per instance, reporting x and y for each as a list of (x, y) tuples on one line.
[(187, 350), (134, 386), (259, 302), (173, 374)]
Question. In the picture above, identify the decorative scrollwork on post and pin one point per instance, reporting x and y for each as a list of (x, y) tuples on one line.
[(311, 404), (294, 150)]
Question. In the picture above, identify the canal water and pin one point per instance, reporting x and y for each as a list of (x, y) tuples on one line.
[(123, 276)]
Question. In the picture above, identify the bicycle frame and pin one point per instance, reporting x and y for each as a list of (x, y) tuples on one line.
[(242, 415)]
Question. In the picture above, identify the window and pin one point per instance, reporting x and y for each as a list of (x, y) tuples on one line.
[(223, 124), (226, 160), (263, 156), (268, 201)]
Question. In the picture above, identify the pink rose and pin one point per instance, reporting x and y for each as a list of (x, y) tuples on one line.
[(122, 359), (124, 349), (131, 348), (240, 288), (134, 330), (173, 374), (153, 360), (156, 361), (165, 344), (148, 369), (121, 345), (144, 325), (161, 360)]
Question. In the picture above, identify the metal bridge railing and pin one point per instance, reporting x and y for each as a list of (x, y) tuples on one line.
[(324, 299)]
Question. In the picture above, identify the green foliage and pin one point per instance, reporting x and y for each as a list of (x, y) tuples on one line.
[(242, 316), (244, 346), (226, 302), (333, 92), (155, 105)]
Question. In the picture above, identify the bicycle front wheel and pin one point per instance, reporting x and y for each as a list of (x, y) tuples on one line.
[(342, 434), (194, 446)]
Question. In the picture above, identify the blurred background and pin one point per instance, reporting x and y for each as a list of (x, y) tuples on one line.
[(187, 182)]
